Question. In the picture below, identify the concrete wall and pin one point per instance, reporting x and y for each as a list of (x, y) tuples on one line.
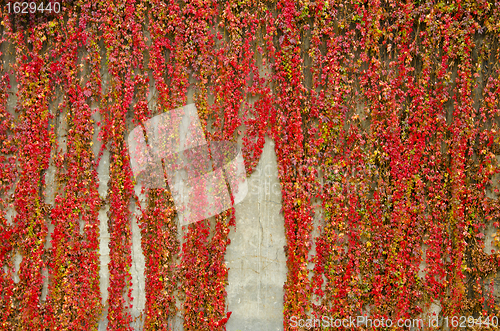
[(256, 255)]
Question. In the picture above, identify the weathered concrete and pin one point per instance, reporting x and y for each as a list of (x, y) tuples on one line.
[(138, 266), (256, 255)]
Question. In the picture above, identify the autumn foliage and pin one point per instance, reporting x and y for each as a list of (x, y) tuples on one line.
[(384, 116)]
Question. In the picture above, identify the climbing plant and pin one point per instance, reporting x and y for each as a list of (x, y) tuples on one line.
[(384, 116)]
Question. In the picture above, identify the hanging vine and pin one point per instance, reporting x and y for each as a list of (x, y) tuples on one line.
[(383, 112)]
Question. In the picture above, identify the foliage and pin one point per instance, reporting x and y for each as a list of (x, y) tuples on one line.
[(383, 112)]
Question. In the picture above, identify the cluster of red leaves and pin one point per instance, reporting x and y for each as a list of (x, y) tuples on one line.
[(384, 112), (119, 30), (407, 152), (73, 298), (70, 258), (8, 176)]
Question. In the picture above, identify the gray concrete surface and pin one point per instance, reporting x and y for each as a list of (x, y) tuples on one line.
[(256, 255)]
